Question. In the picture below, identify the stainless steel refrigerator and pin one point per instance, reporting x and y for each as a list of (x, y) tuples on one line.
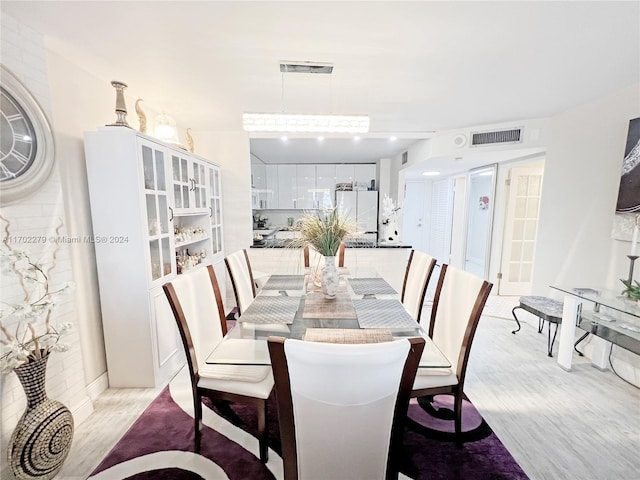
[(361, 206)]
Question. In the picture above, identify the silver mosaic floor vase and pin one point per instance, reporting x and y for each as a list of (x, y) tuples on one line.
[(42, 438)]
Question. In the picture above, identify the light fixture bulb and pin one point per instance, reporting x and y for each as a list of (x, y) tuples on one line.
[(166, 129)]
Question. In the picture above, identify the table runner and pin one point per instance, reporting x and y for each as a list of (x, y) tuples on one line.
[(377, 313), (339, 335), (371, 286), (271, 309), (284, 282), (316, 306)]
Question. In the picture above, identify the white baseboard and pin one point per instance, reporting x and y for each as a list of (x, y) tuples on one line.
[(82, 411), (84, 408), (99, 385)]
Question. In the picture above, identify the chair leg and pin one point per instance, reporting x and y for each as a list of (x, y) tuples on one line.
[(550, 341), (457, 398), (197, 417), (513, 312), (263, 432)]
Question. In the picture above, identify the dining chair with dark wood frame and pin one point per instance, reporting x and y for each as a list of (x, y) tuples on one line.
[(342, 408), (196, 303), (457, 306), (416, 280)]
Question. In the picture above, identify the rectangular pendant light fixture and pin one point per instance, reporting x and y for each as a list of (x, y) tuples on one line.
[(274, 122)]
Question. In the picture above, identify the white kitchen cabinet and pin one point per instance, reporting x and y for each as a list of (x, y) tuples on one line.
[(287, 186), (258, 185), (363, 173), (325, 186), (271, 194), (344, 173), (139, 237), (305, 186)]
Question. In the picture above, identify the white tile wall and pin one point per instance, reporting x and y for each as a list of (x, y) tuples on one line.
[(23, 52)]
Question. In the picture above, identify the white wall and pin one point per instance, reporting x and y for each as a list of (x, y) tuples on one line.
[(579, 193), (23, 52), (581, 180), (231, 151)]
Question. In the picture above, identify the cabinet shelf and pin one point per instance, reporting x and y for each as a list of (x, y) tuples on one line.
[(191, 242)]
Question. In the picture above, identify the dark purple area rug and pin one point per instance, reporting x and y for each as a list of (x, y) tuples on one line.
[(161, 442)]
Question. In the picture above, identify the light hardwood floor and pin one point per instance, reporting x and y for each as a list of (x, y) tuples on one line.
[(583, 424)]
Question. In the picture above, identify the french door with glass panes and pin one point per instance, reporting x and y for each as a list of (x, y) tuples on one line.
[(521, 228)]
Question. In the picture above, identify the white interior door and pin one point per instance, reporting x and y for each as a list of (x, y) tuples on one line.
[(413, 216), (521, 228), (480, 206), (440, 220)]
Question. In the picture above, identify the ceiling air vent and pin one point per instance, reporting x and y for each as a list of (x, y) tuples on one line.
[(496, 137), (405, 157), (306, 67)]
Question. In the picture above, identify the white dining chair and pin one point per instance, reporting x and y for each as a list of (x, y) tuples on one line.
[(196, 304), (241, 276), (457, 306), (342, 407), (416, 279)]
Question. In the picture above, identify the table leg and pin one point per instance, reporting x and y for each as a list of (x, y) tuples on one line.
[(568, 331), (600, 354)]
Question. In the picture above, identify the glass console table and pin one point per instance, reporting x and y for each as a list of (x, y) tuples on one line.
[(611, 317)]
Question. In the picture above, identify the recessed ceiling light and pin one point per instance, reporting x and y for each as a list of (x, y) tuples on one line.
[(320, 139), (356, 138), (393, 138), (287, 122), (430, 174), (284, 139)]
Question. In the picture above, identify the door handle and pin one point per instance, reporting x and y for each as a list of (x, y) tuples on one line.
[(171, 217)]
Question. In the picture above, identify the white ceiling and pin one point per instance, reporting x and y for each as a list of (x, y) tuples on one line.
[(414, 67)]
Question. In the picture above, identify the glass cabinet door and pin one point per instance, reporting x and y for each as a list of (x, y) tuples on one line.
[(215, 208), (159, 211), (199, 185), (181, 181)]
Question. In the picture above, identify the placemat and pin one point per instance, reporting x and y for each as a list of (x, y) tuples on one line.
[(271, 309), (284, 282), (315, 286), (376, 313), (371, 286), (347, 335), (316, 306)]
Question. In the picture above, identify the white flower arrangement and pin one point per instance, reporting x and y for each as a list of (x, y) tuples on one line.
[(34, 335), (389, 209)]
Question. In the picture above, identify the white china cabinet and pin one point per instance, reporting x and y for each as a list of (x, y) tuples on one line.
[(156, 213)]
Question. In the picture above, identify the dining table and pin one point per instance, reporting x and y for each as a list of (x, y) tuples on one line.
[(366, 309)]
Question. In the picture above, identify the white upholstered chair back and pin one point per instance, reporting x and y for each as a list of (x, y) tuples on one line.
[(241, 279), (457, 298), (419, 269), (343, 400), (196, 295)]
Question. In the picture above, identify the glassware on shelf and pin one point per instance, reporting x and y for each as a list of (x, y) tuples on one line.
[(186, 260)]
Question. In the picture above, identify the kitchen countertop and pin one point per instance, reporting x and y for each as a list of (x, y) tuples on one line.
[(286, 243)]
